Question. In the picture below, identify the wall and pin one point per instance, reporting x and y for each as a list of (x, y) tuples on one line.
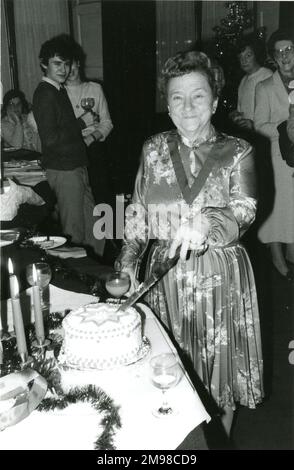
[(268, 13), (35, 22), (87, 31), (5, 69)]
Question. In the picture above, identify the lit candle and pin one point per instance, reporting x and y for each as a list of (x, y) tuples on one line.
[(1, 353), (18, 320), (11, 277), (2, 177), (39, 323), (261, 19)]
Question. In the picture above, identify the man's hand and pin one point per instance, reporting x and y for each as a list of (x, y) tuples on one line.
[(245, 123), (235, 115)]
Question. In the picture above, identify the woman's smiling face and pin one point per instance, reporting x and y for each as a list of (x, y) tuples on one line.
[(74, 72), (191, 103), (284, 56)]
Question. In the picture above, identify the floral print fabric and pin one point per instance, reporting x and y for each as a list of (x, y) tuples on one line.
[(208, 302)]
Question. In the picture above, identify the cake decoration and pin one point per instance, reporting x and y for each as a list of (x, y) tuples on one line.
[(97, 336)]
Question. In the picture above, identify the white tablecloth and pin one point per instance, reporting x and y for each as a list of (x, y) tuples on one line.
[(129, 387)]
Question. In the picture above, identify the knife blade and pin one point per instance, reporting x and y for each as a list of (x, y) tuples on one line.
[(159, 269)]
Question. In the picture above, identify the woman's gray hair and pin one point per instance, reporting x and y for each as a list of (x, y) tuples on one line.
[(184, 63)]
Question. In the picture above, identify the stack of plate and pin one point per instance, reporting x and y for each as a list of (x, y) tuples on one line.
[(7, 237)]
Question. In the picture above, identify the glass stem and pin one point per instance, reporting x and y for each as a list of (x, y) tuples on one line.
[(165, 406)]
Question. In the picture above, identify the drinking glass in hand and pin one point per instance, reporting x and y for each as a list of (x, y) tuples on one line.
[(165, 372), (44, 275), (118, 283), (87, 104)]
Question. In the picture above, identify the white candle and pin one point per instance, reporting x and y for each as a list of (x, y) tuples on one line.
[(18, 320), (39, 323), (1, 353), (11, 277), (261, 18)]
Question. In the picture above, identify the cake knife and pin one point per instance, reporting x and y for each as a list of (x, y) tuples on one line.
[(159, 269)]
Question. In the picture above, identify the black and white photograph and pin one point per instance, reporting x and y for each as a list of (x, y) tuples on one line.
[(147, 228)]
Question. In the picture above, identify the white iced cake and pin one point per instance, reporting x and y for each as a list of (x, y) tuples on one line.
[(98, 337)]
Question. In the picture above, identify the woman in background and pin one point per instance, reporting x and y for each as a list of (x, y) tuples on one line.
[(16, 128), (96, 124), (272, 108), (251, 55)]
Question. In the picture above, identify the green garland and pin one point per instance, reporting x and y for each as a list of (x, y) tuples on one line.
[(49, 369), (99, 401)]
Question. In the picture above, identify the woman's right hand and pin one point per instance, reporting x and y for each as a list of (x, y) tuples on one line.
[(189, 237), (185, 240)]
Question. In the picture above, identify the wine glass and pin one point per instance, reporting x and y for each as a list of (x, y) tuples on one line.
[(118, 283), (44, 275), (87, 104), (166, 372)]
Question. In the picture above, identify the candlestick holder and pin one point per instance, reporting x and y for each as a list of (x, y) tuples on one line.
[(26, 360), (39, 344), (40, 347)]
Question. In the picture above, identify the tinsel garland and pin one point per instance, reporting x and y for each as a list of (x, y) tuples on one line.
[(99, 401), (49, 369)]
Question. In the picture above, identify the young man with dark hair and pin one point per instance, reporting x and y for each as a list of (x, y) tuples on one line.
[(63, 150)]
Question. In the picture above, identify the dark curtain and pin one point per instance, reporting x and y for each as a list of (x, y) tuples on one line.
[(287, 15), (129, 46)]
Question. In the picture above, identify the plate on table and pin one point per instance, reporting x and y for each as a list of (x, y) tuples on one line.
[(7, 237), (50, 244), (21, 393), (13, 164), (10, 149)]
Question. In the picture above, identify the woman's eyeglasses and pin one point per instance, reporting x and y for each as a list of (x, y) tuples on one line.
[(281, 52)]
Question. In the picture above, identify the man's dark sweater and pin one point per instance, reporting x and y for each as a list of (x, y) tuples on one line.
[(62, 143)]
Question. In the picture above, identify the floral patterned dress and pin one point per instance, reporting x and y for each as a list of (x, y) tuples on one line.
[(208, 302)]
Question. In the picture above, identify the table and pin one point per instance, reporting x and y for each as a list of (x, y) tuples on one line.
[(66, 279), (129, 387), (9, 154), (26, 172)]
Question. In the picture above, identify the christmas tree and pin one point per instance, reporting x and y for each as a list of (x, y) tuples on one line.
[(227, 36)]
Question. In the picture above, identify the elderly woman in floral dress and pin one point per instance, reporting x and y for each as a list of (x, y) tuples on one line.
[(195, 192)]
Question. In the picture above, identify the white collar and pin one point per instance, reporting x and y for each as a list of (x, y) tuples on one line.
[(199, 141), (254, 74), (52, 82)]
